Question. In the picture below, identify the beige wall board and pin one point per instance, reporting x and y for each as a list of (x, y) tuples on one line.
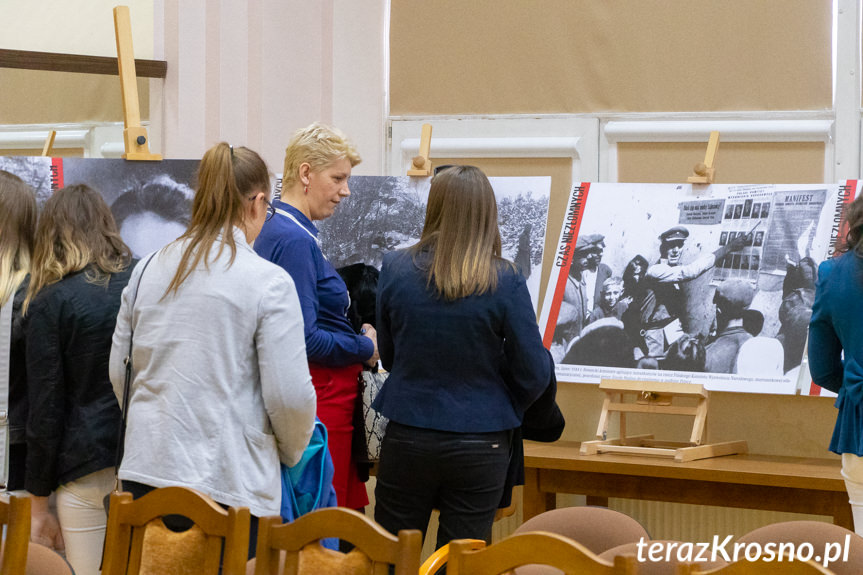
[(571, 56), (37, 97), (73, 26), (736, 162)]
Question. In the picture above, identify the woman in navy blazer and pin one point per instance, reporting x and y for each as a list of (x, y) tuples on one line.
[(453, 317), (836, 329)]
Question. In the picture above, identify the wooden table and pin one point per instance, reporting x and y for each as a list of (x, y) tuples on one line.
[(767, 482)]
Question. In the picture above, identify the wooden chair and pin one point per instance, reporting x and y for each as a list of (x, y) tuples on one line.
[(137, 541), (819, 534), (440, 557), (669, 560), (597, 528), (536, 548), (375, 548), (15, 516), (761, 567), (42, 560)]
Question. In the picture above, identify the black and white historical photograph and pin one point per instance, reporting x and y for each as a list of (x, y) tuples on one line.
[(384, 213), (711, 285), (151, 201)]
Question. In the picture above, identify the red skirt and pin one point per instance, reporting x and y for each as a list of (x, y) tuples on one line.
[(337, 389)]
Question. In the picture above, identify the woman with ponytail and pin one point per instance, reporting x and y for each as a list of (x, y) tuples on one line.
[(220, 389), (17, 228), (80, 267), (836, 351)]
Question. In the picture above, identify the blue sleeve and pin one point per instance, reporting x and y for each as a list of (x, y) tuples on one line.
[(303, 260), (825, 349), (526, 357), (382, 320)]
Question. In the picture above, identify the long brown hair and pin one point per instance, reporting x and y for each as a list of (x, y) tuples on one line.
[(76, 230), (461, 233), (226, 176), (854, 219), (17, 228)]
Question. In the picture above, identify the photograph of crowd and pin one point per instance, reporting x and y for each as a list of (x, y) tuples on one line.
[(666, 282)]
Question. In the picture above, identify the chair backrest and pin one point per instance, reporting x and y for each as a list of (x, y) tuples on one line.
[(664, 557), (44, 561), (536, 548), (597, 528), (440, 557), (842, 547), (375, 548), (762, 567), (15, 516), (137, 541)]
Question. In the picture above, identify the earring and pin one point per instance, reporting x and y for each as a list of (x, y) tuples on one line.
[(306, 190)]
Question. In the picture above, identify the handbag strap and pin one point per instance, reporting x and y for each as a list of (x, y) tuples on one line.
[(5, 366), (127, 380)]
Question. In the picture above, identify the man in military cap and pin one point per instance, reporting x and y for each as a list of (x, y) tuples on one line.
[(656, 314), (732, 299)]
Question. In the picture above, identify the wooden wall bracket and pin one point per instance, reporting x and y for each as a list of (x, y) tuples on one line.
[(421, 164), (134, 135), (706, 171), (656, 397)]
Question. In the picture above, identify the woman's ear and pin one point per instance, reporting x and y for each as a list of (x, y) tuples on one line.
[(305, 170)]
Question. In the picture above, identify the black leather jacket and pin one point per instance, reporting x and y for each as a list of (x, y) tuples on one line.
[(74, 415)]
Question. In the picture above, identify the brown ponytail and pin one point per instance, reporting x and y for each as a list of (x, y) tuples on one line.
[(226, 176)]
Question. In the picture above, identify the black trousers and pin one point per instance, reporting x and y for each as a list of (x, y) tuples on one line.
[(461, 474)]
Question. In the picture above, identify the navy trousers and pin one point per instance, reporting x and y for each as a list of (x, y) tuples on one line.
[(461, 474)]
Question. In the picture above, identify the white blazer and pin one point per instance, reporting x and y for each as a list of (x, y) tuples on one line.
[(221, 390)]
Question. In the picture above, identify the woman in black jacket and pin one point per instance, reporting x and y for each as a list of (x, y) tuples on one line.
[(17, 226), (80, 267)]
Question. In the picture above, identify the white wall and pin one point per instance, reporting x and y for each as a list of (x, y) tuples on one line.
[(251, 73)]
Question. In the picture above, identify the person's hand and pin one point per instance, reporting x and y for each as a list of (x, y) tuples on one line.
[(44, 527), (740, 242), (369, 331)]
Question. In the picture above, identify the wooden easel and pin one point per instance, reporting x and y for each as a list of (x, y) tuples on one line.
[(134, 135), (48, 148), (656, 397), (421, 164), (705, 172)]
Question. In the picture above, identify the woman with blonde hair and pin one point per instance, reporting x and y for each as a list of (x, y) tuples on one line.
[(318, 163), (220, 390), (17, 228), (80, 267), (458, 333)]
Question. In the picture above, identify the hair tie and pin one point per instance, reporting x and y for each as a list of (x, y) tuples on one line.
[(232, 150)]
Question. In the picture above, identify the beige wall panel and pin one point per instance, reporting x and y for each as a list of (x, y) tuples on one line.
[(74, 26), (560, 170), (736, 162), (569, 56), (37, 97)]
